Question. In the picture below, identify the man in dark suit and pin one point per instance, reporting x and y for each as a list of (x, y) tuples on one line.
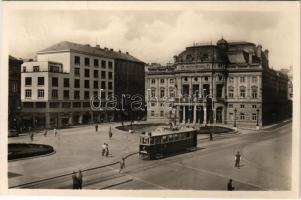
[(229, 185)]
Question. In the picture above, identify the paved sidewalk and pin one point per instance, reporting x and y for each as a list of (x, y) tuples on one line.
[(76, 148)]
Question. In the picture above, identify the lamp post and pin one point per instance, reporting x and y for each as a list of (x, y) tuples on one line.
[(257, 118), (205, 106), (235, 117), (148, 94), (175, 109), (195, 99), (212, 108), (212, 132)]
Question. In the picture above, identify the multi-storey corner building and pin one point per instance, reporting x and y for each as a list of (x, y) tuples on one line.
[(289, 73), (229, 82), (56, 89), (14, 92), (128, 83)]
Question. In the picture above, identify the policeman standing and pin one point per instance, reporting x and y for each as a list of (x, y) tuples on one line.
[(237, 159)]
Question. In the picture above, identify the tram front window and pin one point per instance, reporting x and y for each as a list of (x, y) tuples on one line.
[(144, 140), (176, 136), (164, 139), (170, 138), (152, 140), (157, 140)]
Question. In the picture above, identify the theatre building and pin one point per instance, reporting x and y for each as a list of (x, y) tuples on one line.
[(226, 83)]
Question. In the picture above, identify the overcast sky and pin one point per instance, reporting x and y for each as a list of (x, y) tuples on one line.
[(153, 36)]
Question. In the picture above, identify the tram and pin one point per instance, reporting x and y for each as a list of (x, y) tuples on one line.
[(165, 141)]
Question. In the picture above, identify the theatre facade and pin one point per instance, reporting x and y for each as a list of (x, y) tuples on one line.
[(226, 83)]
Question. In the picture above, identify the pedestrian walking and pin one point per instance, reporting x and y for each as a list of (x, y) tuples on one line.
[(45, 132), (55, 131), (110, 132), (80, 179), (237, 159), (229, 185), (107, 150), (104, 147), (75, 182), (31, 136), (122, 164), (211, 136), (96, 127)]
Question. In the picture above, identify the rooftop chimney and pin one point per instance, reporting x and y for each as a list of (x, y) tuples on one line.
[(97, 46), (258, 51), (106, 48)]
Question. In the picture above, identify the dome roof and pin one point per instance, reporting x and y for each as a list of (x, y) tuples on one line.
[(221, 41)]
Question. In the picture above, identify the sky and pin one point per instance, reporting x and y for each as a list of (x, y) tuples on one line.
[(154, 35)]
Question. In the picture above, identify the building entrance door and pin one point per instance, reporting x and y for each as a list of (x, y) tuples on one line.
[(219, 115)]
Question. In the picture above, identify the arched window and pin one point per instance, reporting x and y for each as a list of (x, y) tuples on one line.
[(254, 92), (153, 92), (242, 92), (231, 92), (162, 92), (171, 92)]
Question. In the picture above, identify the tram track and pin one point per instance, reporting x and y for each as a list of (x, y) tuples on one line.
[(102, 177), (241, 141)]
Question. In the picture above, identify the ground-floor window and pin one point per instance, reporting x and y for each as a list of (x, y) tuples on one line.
[(231, 116), (28, 104), (76, 104), (54, 104), (41, 104), (254, 116), (242, 116), (152, 113)]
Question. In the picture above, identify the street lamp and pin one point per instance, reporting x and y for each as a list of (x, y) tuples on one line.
[(195, 99), (235, 117), (175, 106), (212, 132), (257, 117), (148, 94), (212, 108), (205, 107)]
